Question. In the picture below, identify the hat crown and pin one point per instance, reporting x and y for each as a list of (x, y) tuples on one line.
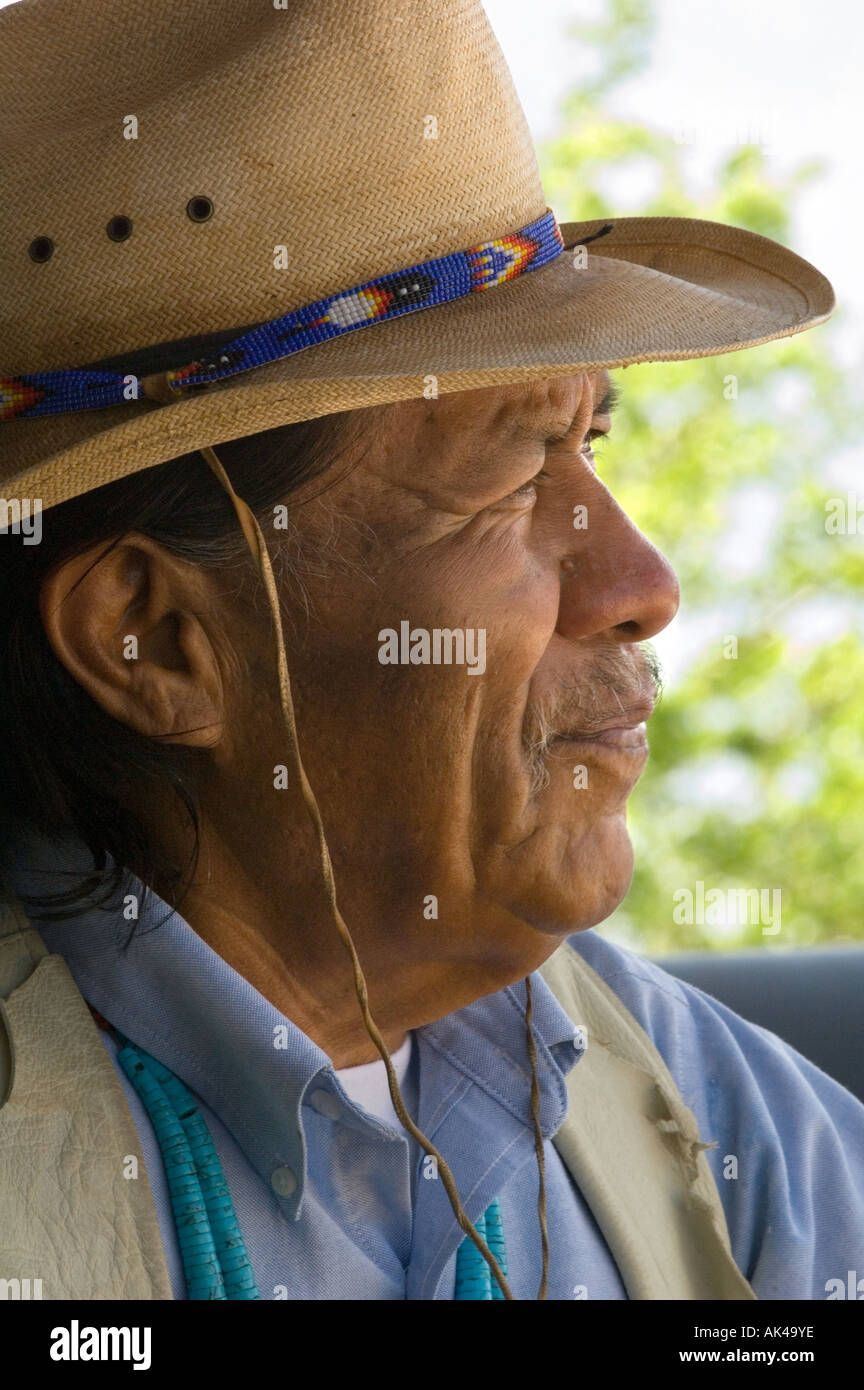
[(335, 142)]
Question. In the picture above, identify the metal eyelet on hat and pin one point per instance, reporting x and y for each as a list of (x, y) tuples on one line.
[(119, 228), (41, 249), (199, 208)]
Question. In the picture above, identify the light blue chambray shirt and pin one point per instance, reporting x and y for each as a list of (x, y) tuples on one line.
[(333, 1203)]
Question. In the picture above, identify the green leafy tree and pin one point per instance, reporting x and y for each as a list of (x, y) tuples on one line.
[(756, 779)]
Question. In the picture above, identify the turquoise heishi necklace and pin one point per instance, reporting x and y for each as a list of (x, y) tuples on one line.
[(216, 1263)]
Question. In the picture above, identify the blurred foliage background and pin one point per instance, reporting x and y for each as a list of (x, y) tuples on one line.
[(756, 778)]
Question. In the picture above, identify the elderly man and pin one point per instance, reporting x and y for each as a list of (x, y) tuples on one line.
[(334, 925)]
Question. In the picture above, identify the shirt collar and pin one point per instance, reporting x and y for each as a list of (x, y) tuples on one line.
[(159, 983)]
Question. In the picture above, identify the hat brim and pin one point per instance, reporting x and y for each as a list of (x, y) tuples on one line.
[(653, 290)]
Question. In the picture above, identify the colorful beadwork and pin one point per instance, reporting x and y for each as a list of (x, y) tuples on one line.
[(16, 396), (402, 292)]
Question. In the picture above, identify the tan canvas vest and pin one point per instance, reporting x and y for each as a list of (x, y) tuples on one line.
[(70, 1218)]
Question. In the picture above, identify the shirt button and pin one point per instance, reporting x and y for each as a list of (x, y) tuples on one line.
[(325, 1104), (283, 1181)]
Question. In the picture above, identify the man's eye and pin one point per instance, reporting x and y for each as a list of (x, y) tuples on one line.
[(587, 449), (569, 440), (526, 493), (530, 487), (528, 490)]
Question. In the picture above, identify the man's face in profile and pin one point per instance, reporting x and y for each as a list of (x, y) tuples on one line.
[(501, 790)]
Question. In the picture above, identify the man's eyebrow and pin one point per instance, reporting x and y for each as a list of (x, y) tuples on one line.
[(610, 400), (542, 426)]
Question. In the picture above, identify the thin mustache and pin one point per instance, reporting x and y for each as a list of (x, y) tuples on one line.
[(614, 686)]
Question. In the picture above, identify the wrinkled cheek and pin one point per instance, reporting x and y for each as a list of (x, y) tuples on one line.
[(413, 749), (396, 752), (519, 631), (504, 811)]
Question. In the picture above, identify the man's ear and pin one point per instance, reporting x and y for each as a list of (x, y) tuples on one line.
[(129, 623)]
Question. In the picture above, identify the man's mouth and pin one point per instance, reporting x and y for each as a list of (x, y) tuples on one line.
[(627, 732), (577, 720)]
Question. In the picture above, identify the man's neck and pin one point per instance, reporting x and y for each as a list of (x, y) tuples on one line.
[(276, 929)]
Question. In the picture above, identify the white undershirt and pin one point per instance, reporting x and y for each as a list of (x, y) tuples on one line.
[(367, 1084)]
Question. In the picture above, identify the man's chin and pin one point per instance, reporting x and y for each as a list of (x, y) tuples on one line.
[(573, 883)]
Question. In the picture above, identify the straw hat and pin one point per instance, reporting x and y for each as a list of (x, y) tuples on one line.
[(185, 172)]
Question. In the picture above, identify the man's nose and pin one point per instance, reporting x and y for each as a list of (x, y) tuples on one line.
[(613, 580)]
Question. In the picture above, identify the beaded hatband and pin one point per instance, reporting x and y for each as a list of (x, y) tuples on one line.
[(403, 292)]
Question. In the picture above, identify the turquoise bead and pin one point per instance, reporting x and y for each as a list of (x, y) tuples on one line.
[(215, 1261), (473, 1276)]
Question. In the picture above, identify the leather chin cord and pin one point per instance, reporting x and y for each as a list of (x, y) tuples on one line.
[(258, 547)]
